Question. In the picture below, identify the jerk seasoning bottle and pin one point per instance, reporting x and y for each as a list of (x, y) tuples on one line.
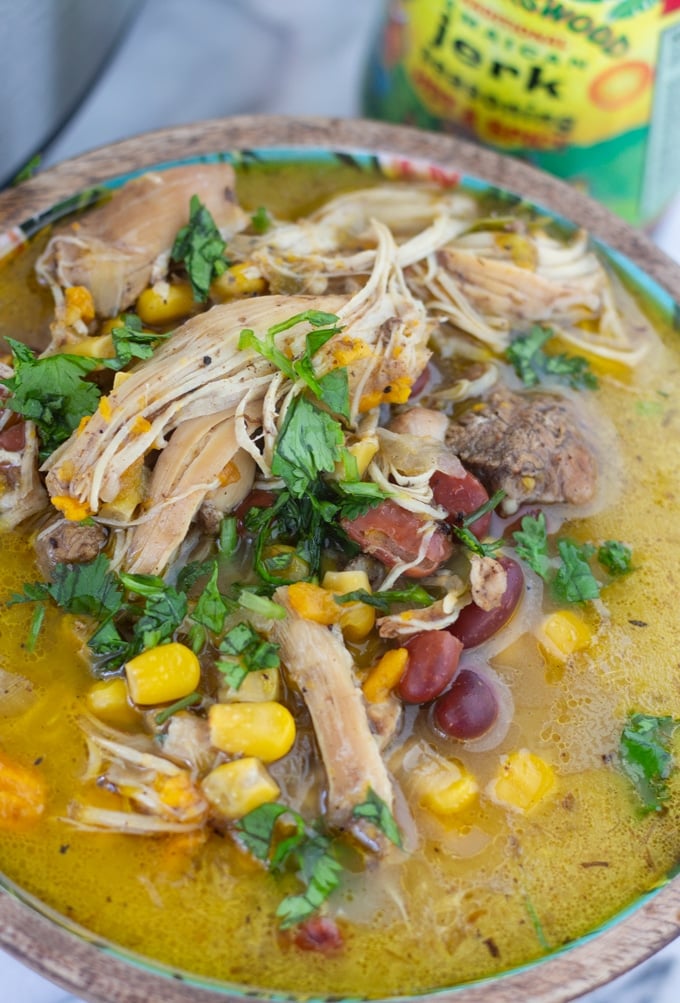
[(586, 89)]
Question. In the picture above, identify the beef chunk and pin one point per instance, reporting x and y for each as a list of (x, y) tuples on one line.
[(66, 542), (530, 445)]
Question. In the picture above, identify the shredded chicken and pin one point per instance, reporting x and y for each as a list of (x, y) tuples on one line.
[(112, 251), (488, 582), (163, 796), (320, 666)]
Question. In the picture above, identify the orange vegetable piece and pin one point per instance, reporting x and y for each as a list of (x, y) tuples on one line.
[(23, 794)]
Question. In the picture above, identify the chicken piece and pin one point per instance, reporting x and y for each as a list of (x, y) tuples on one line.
[(320, 666), (66, 542), (198, 372), (198, 453), (528, 445), (112, 250), (187, 741)]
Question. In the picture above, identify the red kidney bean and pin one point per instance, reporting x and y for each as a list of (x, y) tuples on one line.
[(475, 624), (13, 438), (460, 496), (319, 933), (468, 709), (258, 498), (391, 534), (432, 664)]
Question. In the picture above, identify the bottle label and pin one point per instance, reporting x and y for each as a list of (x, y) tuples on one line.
[(582, 88)]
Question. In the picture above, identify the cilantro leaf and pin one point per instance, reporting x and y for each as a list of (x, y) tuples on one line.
[(532, 544), (190, 700), (321, 873), (256, 828), (383, 601), (615, 557), (247, 652), (211, 609), (308, 850), (91, 589), (375, 810), (52, 392), (646, 759), (161, 616), (532, 364), (131, 342), (332, 388), (574, 581), (469, 540), (309, 442), (260, 220), (201, 249)]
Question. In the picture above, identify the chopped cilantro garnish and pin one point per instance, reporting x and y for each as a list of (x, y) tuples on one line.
[(280, 838), (532, 543), (260, 220), (211, 609), (52, 392), (646, 758), (383, 601), (201, 249), (188, 701), (227, 541), (615, 557), (375, 810), (469, 540), (532, 364), (309, 442), (246, 652), (131, 342), (569, 573), (332, 388), (574, 580)]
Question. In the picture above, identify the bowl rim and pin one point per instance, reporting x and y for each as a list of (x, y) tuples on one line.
[(77, 962)]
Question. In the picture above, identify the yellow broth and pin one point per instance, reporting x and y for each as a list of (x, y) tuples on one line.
[(484, 892)]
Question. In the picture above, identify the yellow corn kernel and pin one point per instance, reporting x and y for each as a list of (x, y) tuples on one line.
[(233, 789), (564, 632), (244, 279), (107, 327), (108, 700), (363, 452), (523, 782), (265, 730), (159, 675), (78, 305), (312, 602), (384, 676), (165, 303), (257, 687), (356, 619), (22, 795), (71, 508), (446, 787), (98, 347)]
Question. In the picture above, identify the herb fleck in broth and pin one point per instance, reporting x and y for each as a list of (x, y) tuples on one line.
[(480, 888)]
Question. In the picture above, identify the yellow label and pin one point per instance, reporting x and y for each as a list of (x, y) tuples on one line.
[(536, 77)]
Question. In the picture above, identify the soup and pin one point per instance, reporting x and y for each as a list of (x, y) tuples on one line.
[(336, 646)]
